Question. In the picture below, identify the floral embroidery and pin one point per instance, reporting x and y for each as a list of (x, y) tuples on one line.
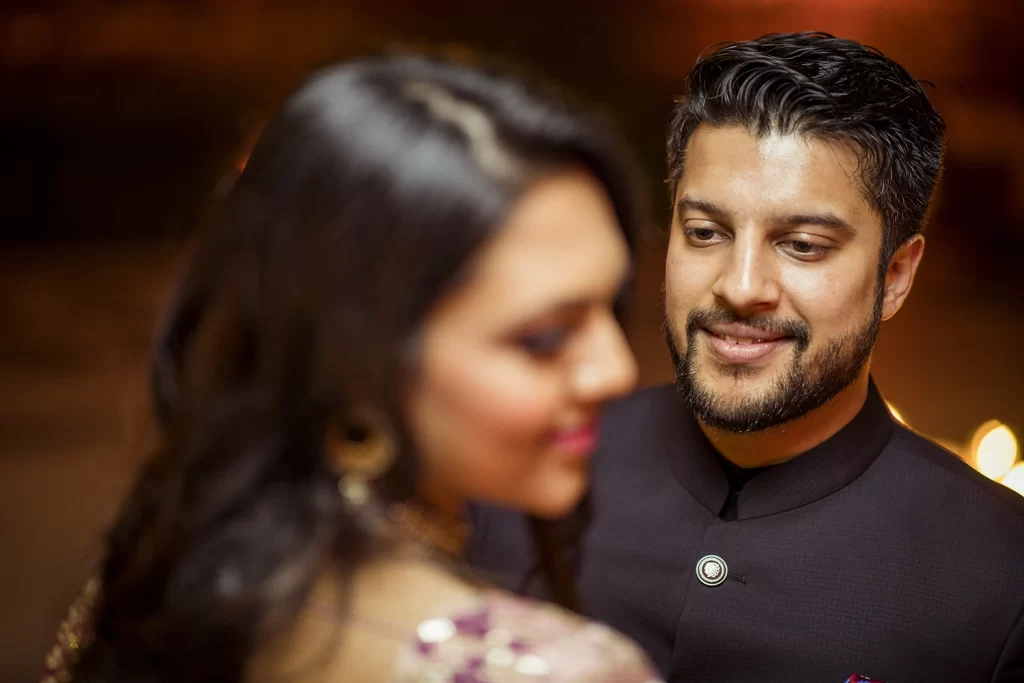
[(505, 640), (510, 640)]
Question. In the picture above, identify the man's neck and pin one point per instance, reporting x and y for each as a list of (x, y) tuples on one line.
[(787, 441)]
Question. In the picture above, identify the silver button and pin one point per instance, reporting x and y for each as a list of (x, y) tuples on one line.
[(712, 570)]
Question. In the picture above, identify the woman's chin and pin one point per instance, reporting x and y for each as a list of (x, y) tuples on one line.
[(559, 503)]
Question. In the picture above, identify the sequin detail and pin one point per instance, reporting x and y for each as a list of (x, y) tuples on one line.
[(511, 640)]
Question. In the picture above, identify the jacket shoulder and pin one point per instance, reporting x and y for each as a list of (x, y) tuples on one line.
[(957, 478), (644, 407)]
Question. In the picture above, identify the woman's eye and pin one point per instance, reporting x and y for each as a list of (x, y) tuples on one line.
[(545, 343)]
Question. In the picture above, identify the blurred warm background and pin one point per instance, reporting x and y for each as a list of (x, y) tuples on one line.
[(120, 120)]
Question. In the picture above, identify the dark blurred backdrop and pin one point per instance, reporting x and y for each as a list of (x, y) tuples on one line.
[(119, 120)]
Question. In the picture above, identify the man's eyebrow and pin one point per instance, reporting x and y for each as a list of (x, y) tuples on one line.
[(827, 219), (689, 203)]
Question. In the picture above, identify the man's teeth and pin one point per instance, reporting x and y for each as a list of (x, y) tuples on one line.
[(742, 341)]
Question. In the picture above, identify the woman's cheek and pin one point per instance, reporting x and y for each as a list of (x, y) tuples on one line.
[(506, 418)]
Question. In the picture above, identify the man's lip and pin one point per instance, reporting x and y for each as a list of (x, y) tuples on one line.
[(740, 333), (732, 352)]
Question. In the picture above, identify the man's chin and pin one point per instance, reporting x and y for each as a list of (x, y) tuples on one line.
[(728, 400), (730, 397), (746, 377)]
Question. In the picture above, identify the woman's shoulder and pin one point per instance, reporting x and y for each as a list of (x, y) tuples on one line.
[(506, 639)]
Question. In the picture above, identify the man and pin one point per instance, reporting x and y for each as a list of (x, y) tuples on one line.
[(766, 519)]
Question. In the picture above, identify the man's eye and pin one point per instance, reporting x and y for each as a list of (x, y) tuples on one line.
[(805, 249), (702, 236)]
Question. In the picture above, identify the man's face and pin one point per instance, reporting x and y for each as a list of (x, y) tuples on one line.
[(773, 291)]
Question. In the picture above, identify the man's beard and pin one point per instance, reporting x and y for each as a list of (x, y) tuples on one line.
[(808, 383)]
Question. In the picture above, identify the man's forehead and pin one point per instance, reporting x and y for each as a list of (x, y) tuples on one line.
[(789, 173)]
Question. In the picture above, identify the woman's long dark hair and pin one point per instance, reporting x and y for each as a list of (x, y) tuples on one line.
[(360, 206)]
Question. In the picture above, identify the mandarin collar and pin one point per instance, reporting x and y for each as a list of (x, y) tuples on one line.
[(808, 477)]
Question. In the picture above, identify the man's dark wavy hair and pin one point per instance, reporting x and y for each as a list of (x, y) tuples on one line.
[(818, 85)]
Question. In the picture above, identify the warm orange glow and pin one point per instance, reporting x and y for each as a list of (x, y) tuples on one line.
[(1014, 479), (895, 413), (953, 447), (250, 142), (994, 448)]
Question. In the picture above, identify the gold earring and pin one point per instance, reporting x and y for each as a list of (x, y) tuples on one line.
[(366, 450)]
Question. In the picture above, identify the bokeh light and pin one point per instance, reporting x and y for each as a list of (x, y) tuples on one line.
[(1014, 479), (994, 448), (897, 415)]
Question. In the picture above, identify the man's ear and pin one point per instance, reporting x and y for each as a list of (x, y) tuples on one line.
[(899, 276)]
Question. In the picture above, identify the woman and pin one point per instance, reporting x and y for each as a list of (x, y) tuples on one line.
[(404, 305)]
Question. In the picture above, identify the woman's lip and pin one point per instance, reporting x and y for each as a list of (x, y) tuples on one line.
[(744, 353), (579, 440)]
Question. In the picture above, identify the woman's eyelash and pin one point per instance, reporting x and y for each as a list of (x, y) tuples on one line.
[(544, 343)]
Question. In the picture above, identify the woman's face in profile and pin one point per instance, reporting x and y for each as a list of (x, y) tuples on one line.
[(518, 361)]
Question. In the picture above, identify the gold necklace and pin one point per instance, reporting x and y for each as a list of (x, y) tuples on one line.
[(441, 531)]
